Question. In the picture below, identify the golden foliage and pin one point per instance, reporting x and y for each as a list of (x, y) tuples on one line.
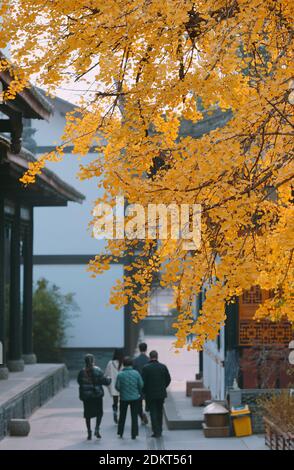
[(149, 61)]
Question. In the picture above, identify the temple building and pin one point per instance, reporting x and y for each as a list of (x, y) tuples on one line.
[(17, 205), (247, 354)]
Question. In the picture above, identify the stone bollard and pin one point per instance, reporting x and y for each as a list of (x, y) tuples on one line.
[(4, 373), (200, 396), (19, 427), (190, 384)]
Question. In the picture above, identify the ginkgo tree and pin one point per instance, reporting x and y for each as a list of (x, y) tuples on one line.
[(144, 65)]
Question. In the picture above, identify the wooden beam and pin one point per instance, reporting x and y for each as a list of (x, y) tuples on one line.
[(28, 288), (5, 125), (15, 336), (2, 282), (14, 127)]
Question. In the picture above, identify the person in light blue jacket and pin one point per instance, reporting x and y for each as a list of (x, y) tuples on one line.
[(129, 384)]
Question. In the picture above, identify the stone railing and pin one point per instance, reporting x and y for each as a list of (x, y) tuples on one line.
[(24, 403)]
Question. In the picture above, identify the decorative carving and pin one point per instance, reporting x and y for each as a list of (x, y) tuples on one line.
[(252, 296), (253, 333)]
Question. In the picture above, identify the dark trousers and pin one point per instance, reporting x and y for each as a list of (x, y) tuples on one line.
[(115, 402), (99, 414), (140, 408), (123, 408), (156, 413)]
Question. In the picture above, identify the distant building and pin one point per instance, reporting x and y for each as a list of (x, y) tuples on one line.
[(255, 354)]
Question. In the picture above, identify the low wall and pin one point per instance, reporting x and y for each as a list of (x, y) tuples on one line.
[(250, 397), (73, 358), (31, 397)]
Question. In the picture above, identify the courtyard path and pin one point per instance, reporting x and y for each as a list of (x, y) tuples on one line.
[(59, 423)]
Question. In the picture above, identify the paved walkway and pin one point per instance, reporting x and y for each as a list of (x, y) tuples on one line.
[(59, 424), (183, 365)]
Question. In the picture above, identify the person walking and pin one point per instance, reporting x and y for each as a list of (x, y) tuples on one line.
[(112, 369), (139, 362), (129, 384), (156, 379), (91, 380)]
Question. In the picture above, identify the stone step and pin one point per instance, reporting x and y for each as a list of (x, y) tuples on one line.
[(179, 413)]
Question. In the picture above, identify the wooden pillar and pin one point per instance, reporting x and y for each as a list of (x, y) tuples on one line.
[(232, 352), (3, 368), (28, 355), (15, 362)]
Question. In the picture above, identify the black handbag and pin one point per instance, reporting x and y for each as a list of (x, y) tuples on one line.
[(91, 384), (97, 391)]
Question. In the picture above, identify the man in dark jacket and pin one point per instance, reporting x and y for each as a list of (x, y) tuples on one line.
[(156, 379), (141, 360), (138, 364)]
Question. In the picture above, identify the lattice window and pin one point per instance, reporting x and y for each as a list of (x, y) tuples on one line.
[(252, 296), (252, 333)]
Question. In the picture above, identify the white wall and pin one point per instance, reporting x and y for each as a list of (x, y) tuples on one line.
[(50, 133), (96, 325), (213, 370), (64, 230)]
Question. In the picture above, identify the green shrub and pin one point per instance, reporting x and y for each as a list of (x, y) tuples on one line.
[(52, 311)]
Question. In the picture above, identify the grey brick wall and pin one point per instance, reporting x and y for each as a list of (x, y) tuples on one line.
[(23, 405)]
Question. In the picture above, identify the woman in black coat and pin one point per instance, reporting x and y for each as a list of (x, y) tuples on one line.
[(90, 380)]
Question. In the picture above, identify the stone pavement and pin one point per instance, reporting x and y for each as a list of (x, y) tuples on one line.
[(59, 423), (183, 365)]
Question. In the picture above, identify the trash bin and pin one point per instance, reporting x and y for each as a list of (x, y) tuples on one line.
[(216, 415), (216, 422), (241, 420)]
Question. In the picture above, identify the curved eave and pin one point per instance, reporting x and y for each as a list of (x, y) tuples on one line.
[(47, 177), (48, 190), (33, 104)]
